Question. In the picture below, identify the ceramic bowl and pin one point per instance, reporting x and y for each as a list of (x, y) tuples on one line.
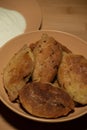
[(75, 44)]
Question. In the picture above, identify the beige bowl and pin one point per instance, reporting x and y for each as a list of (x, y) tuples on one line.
[(77, 46)]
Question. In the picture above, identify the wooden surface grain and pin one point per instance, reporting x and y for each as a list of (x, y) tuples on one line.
[(65, 15)]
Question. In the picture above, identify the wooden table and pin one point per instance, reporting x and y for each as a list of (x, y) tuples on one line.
[(64, 15)]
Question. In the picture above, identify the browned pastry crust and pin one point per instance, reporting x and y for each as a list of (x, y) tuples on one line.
[(72, 76), (48, 54), (32, 46), (18, 71), (44, 100), (65, 49)]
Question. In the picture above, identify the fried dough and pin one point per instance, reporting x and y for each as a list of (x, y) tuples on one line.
[(48, 54), (72, 76), (18, 71), (44, 100)]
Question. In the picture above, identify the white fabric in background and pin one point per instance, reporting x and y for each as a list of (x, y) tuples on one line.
[(12, 23)]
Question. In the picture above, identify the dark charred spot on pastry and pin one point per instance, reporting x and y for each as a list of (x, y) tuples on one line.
[(53, 61), (26, 78), (55, 67), (44, 41), (40, 51), (27, 52), (53, 52), (33, 46), (39, 46)]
